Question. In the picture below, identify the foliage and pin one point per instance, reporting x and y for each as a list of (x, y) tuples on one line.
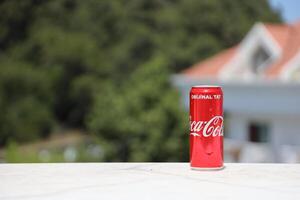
[(86, 151), (142, 119), (104, 66), (25, 102)]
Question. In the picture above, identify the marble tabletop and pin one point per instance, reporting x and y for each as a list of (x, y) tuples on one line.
[(148, 181)]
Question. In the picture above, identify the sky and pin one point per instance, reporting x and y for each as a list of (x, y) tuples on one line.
[(290, 9)]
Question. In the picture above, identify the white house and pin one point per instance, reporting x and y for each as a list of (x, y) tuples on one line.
[(260, 78)]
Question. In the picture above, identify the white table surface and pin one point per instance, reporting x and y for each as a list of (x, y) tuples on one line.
[(148, 181)]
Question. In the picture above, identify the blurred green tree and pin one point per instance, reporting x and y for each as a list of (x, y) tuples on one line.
[(104, 66), (141, 120), (25, 102)]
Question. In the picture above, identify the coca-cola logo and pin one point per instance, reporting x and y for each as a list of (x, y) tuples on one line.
[(213, 127)]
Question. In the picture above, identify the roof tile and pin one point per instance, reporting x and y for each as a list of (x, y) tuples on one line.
[(211, 66)]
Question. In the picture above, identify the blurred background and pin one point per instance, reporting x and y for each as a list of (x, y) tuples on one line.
[(86, 81)]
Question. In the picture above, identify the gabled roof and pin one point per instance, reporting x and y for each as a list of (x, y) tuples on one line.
[(287, 37), (211, 66), (279, 32)]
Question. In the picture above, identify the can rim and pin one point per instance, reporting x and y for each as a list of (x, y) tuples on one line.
[(206, 86)]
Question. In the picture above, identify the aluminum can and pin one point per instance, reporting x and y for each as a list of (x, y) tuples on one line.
[(206, 127)]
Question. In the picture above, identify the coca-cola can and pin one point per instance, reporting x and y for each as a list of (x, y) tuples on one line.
[(206, 127)]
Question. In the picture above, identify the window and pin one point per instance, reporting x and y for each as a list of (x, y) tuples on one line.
[(260, 56), (258, 132)]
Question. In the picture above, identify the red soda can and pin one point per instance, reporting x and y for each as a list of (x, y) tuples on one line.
[(206, 127)]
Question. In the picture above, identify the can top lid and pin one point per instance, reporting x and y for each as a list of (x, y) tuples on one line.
[(206, 86)]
